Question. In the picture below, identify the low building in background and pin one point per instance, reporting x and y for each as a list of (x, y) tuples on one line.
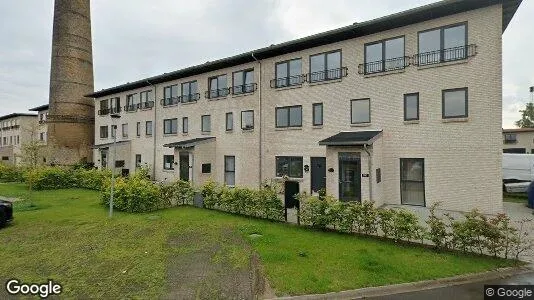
[(15, 130)]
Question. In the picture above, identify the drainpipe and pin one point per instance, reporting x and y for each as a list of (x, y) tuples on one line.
[(260, 150), (370, 166), (154, 131)]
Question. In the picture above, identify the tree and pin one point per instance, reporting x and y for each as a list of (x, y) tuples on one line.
[(527, 117)]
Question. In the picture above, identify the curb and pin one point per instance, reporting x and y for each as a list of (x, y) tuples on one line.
[(416, 286)]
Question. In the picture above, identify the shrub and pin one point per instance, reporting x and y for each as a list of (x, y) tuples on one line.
[(269, 204), (437, 233), (51, 178), (316, 212), (406, 226), (211, 193), (385, 221), (11, 173), (178, 193), (92, 179)]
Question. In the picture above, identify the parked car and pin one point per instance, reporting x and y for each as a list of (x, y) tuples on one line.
[(517, 172), (6, 212)]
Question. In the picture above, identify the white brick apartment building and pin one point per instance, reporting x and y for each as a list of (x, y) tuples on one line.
[(518, 140), (15, 130), (403, 109)]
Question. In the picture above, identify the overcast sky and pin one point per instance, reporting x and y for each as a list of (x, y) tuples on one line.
[(133, 39)]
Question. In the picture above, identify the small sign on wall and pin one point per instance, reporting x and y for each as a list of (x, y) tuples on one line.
[(365, 175)]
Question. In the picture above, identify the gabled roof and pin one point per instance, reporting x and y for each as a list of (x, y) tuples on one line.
[(14, 115), (408, 17), (352, 138), (39, 108)]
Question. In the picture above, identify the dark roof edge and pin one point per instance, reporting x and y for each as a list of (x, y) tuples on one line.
[(400, 19), (14, 115), (40, 108)]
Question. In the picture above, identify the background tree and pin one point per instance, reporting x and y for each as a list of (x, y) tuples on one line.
[(527, 117)]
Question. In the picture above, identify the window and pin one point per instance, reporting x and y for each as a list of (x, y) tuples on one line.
[(124, 130), (41, 136), (138, 160), (148, 128), (206, 168), (5, 157), (317, 114), (170, 95), (170, 126), (360, 111), (104, 132), (442, 44), (115, 105), (229, 121), (218, 86), (510, 138), (243, 82), (378, 175), (229, 170), (145, 100), (104, 107), (168, 162), (185, 125), (247, 120), (412, 181), (119, 164), (411, 107), (288, 73), (325, 66), (113, 131), (131, 102), (384, 55), (138, 129), (189, 92), (289, 116), (205, 125), (290, 166), (454, 103)]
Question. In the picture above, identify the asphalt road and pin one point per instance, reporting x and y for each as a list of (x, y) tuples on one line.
[(463, 291)]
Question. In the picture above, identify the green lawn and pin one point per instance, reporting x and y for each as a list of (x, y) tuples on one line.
[(70, 239)]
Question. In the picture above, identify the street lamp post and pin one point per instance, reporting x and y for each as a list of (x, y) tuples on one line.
[(114, 132)]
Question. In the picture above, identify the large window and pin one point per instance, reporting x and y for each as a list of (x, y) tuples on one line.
[(170, 126), (247, 120), (148, 128), (454, 103), (289, 116), (325, 66), (317, 114), (218, 87), (384, 55), (185, 125), (288, 73), (103, 132), (168, 162), (229, 121), (290, 166), (189, 92), (243, 82), (170, 95), (104, 107), (132, 102), (125, 130), (511, 138), (205, 125), (442, 44), (138, 129), (229, 170), (412, 181), (411, 107), (145, 101), (360, 111), (115, 105)]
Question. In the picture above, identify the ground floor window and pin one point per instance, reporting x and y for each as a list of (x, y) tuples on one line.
[(138, 160), (412, 181), (168, 162), (290, 166), (229, 170)]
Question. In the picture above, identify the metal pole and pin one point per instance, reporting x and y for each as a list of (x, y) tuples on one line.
[(113, 129)]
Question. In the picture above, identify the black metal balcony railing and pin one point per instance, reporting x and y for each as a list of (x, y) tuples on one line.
[(244, 89), (444, 55), (391, 64), (169, 101), (330, 74), (130, 107), (189, 98), (115, 110), (146, 105), (103, 112), (288, 81), (217, 93)]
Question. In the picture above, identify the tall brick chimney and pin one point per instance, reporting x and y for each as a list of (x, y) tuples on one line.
[(71, 115)]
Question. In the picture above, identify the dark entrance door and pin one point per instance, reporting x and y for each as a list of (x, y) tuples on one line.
[(318, 173), (349, 177), (104, 159), (184, 166), (291, 189)]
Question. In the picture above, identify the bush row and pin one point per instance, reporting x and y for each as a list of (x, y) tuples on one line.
[(11, 173), (51, 178), (474, 233)]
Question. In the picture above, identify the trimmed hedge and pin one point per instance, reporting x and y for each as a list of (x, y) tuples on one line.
[(52, 178), (11, 173)]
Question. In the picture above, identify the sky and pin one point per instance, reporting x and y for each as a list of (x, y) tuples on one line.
[(134, 39)]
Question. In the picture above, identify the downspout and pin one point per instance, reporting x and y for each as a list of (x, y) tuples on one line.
[(154, 131), (260, 150), (370, 166)]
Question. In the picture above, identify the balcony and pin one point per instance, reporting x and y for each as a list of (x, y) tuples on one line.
[(189, 98), (169, 101), (217, 93), (103, 112), (327, 75), (243, 89), (115, 110), (146, 105), (392, 64), (445, 55), (288, 81), (130, 107)]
